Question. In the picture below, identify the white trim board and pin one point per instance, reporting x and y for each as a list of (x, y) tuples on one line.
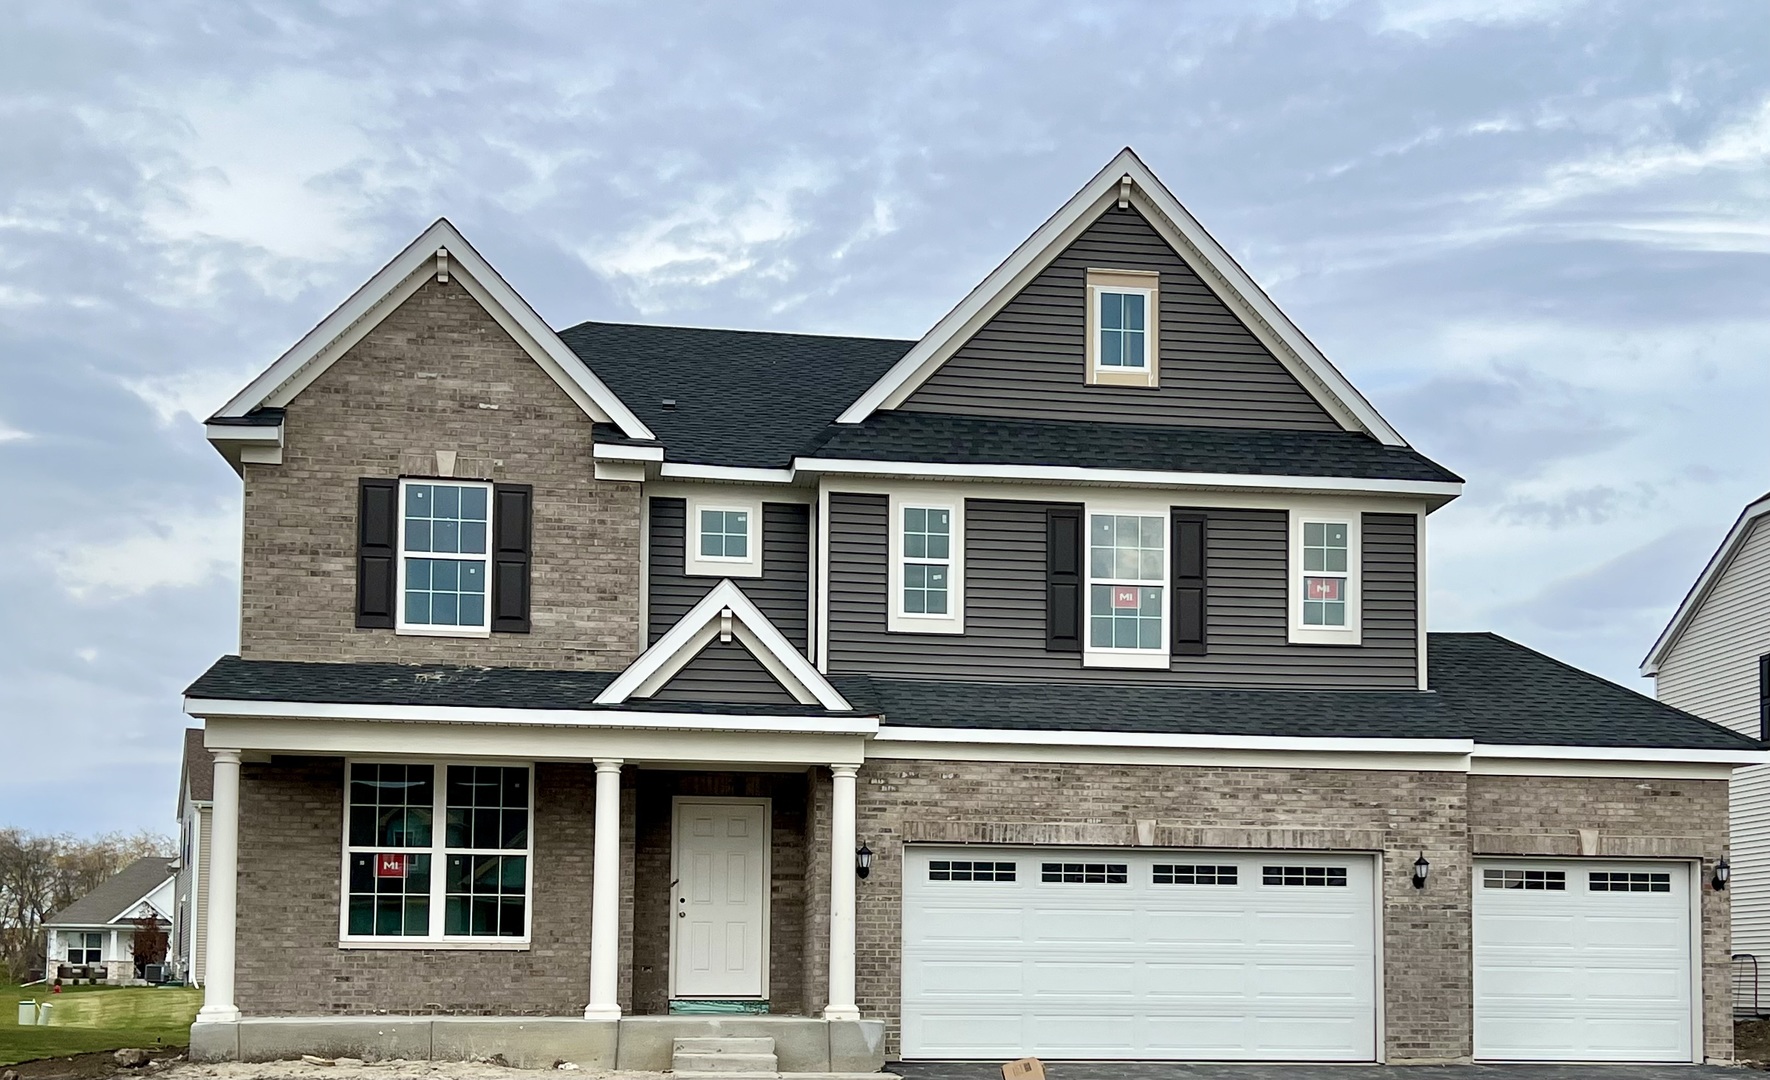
[(694, 630), (1705, 583), (1189, 239), (440, 249), (596, 719)]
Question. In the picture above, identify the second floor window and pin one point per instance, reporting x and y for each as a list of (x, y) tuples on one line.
[(445, 556), (1123, 329), (724, 537), (927, 559), (1127, 589), (1123, 326), (1324, 560), (725, 534)]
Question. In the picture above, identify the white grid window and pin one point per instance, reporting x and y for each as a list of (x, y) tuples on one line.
[(927, 560), (394, 850), (1127, 583), (725, 534), (85, 946), (1326, 549), (445, 560), (1123, 320)]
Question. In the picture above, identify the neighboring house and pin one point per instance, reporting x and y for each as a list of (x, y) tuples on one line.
[(98, 930), (1055, 683), (196, 778), (1713, 659)]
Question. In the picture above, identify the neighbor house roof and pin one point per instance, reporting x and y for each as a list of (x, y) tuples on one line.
[(1705, 582), (198, 769), (116, 895), (1485, 688), (742, 398)]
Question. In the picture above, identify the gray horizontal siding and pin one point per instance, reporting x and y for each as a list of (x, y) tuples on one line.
[(1005, 605), (780, 593), (1028, 360), (728, 673)]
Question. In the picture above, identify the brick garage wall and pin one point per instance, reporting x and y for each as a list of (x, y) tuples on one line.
[(654, 907), (1426, 933), (289, 963), (437, 374), (1622, 818)]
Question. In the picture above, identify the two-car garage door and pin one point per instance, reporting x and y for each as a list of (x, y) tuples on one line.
[(1068, 953)]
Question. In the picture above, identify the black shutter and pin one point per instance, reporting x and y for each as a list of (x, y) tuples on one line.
[(377, 534), (1764, 698), (512, 523), (1063, 579), (1188, 557)]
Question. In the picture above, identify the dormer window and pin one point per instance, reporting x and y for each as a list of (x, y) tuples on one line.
[(1123, 319)]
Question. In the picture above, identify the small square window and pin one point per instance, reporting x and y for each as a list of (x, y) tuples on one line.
[(724, 537), (725, 534)]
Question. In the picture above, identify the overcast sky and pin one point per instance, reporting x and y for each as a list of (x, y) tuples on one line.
[(1535, 233)]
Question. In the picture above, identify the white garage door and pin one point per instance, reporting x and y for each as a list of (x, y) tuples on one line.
[(1067, 953), (1582, 961)]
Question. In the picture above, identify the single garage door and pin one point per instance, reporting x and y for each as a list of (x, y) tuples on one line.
[(1067, 953), (1582, 961)]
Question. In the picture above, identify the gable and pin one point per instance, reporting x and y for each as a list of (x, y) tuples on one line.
[(1028, 360), (725, 672), (1747, 532), (1711, 667)]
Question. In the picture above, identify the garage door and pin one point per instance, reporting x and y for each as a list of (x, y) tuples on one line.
[(1582, 961), (1068, 953)]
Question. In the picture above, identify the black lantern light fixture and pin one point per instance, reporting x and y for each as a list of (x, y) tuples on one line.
[(1722, 873), (863, 861), (1422, 869)]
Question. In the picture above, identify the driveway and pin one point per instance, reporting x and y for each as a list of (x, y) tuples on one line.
[(1127, 1070)]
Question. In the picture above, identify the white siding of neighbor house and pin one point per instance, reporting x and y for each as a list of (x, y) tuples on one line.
[(1712, 671), (201, 896)]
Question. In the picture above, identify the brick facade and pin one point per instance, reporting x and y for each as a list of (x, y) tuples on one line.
[(438, 373)]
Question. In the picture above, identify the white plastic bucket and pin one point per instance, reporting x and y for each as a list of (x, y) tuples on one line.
[(27, 1014), (43, 1012)]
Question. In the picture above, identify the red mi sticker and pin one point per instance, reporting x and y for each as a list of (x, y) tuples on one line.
[(1323, 588), (390, 866), (1124, 596)]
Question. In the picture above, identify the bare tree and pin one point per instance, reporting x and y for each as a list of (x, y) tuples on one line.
[(39, 875)]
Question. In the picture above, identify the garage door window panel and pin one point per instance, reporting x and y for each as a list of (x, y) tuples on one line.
[(1085, 873), (972, 870), (1306, 876), (1185, 874), (1517, 878), (1610, 881)]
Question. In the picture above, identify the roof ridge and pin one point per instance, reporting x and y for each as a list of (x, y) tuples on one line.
[(735, 330)]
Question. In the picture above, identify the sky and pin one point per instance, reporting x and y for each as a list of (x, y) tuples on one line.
[(1535, 233)]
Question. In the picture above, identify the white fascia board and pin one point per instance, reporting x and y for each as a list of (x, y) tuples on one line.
[(1437, 489), (1323, 379), (314, 352), (616, 452), (635, 719), (682, 641), (1706, 581), (1455, 747), (266, 433), (731, 474), (1621, 753)]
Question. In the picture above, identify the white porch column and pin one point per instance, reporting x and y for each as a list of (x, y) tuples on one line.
[(605, 895), (224, 865), (842, 1005)]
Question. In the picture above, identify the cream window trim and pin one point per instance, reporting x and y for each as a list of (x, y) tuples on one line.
[(1141, 282), (898, 620), (696, 564), (1352, 632)]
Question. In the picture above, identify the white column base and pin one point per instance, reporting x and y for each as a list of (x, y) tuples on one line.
[(602, 1012), (218, 1014), (834, 1013)]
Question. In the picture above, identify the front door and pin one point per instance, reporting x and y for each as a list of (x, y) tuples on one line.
[(719, 933)]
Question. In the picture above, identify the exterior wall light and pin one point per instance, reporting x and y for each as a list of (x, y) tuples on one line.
[(1723, 873), (863, 861), (1422, 869)]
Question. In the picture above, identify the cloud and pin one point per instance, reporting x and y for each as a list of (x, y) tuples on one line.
[(194, 394), (169, 551), (1427, 17), (1638, 586), (8, 433)]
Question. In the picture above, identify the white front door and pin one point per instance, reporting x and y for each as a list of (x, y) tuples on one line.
[(1582, 960), (1104, 953), (719, 933)]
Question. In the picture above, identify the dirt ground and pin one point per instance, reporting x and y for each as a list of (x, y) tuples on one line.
[(174, 1067)]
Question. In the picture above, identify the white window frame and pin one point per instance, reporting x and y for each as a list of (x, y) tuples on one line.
[(439, 853), (1157, 658), (1352, 632), (425, 629), (1129, 282), (695, 564), (905, 622)]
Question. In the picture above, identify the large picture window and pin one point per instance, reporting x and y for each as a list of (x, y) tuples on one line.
[(437, 853), (1127, 589), (445, 558)]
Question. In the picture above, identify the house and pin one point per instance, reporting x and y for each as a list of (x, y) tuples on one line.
[(196, 778), (1054, 683), (97, 931), (1713, 659)]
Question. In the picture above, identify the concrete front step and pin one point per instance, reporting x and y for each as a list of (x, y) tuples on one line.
[(722, 1063), (783, 1076), (724, 1045)]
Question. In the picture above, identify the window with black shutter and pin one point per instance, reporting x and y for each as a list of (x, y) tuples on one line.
[(513, 529), (377, 539), (1063, 579), (1188, 556)]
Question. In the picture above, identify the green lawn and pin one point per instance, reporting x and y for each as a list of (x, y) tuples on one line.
[(96, 1018)]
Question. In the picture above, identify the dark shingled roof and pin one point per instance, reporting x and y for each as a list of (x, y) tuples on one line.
[(972, 440), (116, 895), (743, 398), (1484, 688)]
